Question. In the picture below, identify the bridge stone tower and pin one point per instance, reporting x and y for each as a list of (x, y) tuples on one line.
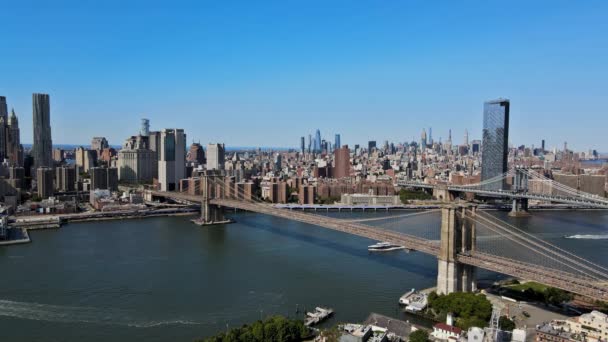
[(520, 185), (457, 237), (211, 188)]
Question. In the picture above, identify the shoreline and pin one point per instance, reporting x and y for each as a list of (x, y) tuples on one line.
[(56, 221)]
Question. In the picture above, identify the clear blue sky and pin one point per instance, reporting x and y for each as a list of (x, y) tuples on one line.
[(252, 73)]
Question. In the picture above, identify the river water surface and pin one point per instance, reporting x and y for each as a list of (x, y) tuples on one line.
[(165, 279)]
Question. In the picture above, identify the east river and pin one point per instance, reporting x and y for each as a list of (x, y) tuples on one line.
[(165, 279)]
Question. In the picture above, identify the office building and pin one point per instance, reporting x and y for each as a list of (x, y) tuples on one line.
[(85, 159), (106, 156), (112, 178), (104, 178), (153, 144), (423, 140), (145, 128), (476, 146), (136, 163), (317, 143), (3, 107), (3, 126), (14, 150), (16, 175), (58, 155), (302, 145), (341, 162), (99, 143), (44, 181), (495, 140), (337, 144), (215, 156), (42, 149), (65, 178), (371, 145), (10, 144), (278, 163), (196, 154), (99, 178), (309, 143), (172, 162)]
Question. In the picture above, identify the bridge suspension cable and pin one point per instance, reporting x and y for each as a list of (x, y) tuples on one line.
[(584, 262), (541, 247), (562, 187), (492, 180), (394, 216)]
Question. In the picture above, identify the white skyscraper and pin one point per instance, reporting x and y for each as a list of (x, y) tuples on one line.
[(215, 156)]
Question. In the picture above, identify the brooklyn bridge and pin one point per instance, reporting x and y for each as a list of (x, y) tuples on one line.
[(466, 239)]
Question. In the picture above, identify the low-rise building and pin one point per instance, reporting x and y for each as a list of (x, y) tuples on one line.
[(369, 199), (552, 333), (443, 331), (593, 325)]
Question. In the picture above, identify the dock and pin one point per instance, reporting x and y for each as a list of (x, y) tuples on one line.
[(414, 301), (320, 314)]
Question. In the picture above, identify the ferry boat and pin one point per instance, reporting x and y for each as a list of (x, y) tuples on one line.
[(384, 247)]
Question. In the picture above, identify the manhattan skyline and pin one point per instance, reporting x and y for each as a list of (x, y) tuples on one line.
[(369, 72)]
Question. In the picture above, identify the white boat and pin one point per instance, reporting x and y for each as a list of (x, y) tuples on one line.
[(384, 247)]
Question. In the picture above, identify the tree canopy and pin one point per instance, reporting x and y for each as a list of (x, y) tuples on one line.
[(506, 324), (419, 336), (469, 309), (275, 328)]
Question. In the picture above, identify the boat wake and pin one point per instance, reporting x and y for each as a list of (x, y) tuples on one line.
[(588, 237), (82, 314)]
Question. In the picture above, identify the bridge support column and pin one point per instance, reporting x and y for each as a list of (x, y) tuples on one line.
[(519, 208), (443, 194), (211, 214), (457, 236)]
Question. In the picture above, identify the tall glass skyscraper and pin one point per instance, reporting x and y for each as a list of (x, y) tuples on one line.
[(42, 149), (337, 142), (317, 145), (302, 145), (495, 144)]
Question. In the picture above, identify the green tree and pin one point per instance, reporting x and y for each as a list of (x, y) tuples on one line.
[(419, 336), (506, 323), (407, 195), (276, 328), (332, 334), (469, 309), (556, 296)]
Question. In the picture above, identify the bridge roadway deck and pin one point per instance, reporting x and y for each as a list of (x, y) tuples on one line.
[(567, 281), (589, 201)]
